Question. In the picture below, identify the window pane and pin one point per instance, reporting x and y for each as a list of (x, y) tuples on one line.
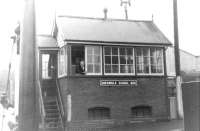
[(146, 68), (122, 51), (89, 50), (93, 59), (139, 52), (115, 60), (122, 59), (159, 53), (114, 51), (123, 69), (107, 50), (153, 61), (146, 52), (97, 68), (107, 68), (153, 69), (153, 52), (156, 60), (90, 68), (130, 51), (130, 60), (159, 69), (139, 60), (130, 69), (96, 50), (97, 59), (107, 59), (140, 69), (146, 61), (115, 69), (89, 59)]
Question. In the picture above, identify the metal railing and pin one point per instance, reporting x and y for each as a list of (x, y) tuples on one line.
[(60, 103), (41, 105), (41, 99), (60, 115)]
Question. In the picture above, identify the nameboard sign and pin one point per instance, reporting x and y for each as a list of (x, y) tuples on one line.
[(118, 82)]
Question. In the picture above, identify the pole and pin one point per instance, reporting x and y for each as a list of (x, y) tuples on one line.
[(177, 62), (27, 89)]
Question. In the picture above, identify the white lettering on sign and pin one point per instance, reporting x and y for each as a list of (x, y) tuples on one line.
[(118, 82)]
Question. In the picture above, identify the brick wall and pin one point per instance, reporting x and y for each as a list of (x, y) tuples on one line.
[(86, 92)]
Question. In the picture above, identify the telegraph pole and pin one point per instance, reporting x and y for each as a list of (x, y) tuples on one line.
[(27, 89), (177, 61)]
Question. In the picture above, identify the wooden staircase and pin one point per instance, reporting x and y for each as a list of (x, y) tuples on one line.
[(52, 118)]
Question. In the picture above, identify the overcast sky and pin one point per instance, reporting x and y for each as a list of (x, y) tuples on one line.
[(162, 11)]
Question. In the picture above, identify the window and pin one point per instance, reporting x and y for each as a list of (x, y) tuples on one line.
[(99, 113), (48, 66), (141, 111), (77, 54), (86, 60), (93, 59), (149, 61), (156, 56), (62, 61), (46, 61), (118, 60)]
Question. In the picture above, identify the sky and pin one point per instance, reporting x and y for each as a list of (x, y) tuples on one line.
[(11, 11)]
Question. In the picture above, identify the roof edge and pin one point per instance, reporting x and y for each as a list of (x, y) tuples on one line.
[(117, 42), (99, 18)]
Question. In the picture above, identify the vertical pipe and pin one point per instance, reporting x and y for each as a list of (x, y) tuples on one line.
[(27, 89), (177, 61)]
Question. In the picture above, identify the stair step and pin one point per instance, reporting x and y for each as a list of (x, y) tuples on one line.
[(51, 111), (50, 98), (52, 115), (50, 102), (52, 120), (50, 106)]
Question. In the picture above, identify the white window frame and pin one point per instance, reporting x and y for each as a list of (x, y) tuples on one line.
[(64, 73), (86, 60), (149, 56), (118, 47)]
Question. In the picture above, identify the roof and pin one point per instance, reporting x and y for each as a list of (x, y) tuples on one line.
[(110, 30), (46, 41)]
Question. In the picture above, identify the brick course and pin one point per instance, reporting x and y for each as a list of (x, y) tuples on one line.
[(86, 93)]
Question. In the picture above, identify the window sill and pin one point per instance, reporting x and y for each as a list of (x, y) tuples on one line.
[(113, 76)]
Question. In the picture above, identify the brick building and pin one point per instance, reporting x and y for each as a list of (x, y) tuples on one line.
[(102, 72)]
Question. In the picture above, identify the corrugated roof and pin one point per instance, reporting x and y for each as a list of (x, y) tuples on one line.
[(110, 30), (46, 41)]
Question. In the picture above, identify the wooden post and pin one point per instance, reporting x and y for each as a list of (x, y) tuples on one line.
[(27, 89), (177, 61)]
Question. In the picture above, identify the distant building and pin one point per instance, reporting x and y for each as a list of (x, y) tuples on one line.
[(189, 63)]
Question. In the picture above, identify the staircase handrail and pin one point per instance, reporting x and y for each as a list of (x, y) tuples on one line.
[(62, 122), (41, 100), (60, 99)]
